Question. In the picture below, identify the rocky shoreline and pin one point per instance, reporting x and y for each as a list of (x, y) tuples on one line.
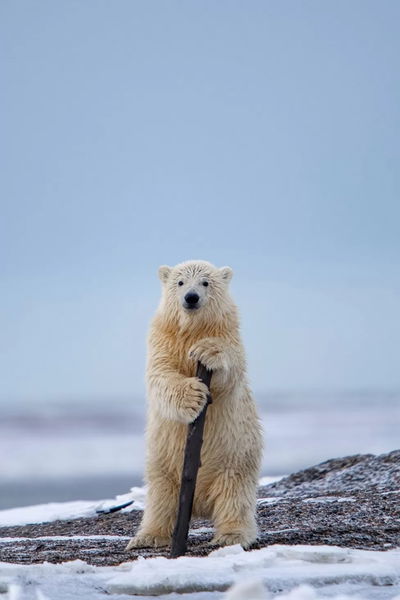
[(351, 502)]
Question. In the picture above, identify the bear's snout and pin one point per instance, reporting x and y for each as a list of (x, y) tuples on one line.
[(191, 300)]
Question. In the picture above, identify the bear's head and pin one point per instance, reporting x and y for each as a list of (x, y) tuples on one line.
[(196, 289)]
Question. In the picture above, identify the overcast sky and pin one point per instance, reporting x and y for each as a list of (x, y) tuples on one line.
[(260, 135)]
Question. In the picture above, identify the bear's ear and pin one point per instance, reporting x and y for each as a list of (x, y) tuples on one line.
[(163, 272), (226, 273)]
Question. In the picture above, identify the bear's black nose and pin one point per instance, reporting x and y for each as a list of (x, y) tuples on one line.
[(192, 298)]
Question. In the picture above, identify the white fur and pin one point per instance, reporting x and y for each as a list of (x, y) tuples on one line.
[(231, 453)]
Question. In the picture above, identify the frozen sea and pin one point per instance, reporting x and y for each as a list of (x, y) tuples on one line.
[(91, 449)]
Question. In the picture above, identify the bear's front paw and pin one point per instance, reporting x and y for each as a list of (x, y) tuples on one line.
[(210, 352), (193, 399)]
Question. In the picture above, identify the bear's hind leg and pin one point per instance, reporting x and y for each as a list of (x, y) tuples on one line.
[(159, 516), (234, 509)]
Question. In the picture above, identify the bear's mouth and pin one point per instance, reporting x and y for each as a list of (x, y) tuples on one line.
[(191, 307)]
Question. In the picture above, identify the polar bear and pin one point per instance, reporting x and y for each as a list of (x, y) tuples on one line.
[(197, 321)]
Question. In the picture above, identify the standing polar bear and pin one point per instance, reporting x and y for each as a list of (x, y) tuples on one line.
[(197, 321)]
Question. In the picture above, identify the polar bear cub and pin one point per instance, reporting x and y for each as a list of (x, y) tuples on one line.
[(197, 321)]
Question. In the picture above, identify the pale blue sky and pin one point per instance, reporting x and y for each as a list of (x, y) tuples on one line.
[(263, 135)]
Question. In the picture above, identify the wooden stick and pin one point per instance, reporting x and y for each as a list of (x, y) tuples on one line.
[(191, 464)]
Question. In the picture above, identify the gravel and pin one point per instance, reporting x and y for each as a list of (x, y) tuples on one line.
[(352, 502)]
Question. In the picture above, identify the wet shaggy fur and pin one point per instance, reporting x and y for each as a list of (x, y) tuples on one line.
[(231, 452)]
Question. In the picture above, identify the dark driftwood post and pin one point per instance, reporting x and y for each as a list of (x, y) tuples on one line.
[(191, 464)]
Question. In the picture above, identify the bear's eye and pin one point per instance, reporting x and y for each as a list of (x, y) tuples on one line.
[(180, 282), (205, 283)]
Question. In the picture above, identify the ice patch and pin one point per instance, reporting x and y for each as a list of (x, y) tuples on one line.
[(255, 590), (279, 567), (268, 500), (201, 530), (278, 572), (281, 531), (247, 590), (329, 499), (16, 592)]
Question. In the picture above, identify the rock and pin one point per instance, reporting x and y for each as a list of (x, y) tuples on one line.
[(357, 473), (352, 502)]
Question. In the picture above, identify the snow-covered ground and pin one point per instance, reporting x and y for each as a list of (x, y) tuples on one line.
[(279, 567), (45, 513), (282, 572), (278, 571)]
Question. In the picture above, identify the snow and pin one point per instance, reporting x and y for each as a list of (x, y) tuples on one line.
[(328, 499), (201, 530), (136, 494), (49, 581), (45, 513), (268, 500), (279, 567), (281, 572), (255, 590)]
